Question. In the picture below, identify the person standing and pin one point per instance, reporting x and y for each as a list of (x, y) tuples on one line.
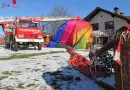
[(47, 40)]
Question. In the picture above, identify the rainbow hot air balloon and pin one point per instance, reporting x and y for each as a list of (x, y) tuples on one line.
[(74, 33)]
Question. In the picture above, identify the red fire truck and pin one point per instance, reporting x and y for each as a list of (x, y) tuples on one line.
[(26, 31), (23, 32)]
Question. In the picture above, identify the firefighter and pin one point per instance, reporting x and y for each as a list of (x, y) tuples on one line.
[(8, 38), (47, 40)]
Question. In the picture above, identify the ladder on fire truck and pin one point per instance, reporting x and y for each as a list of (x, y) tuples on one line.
[(42, 19)]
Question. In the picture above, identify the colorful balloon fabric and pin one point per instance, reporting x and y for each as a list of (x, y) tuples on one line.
[(74, 33)]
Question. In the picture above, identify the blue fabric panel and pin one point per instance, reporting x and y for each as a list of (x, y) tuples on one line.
[(59, 33)]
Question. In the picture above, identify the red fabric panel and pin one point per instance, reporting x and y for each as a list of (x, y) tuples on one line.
[(82, 65)]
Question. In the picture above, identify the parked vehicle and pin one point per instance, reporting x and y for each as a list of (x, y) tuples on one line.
[(23, 32), (26, 31)]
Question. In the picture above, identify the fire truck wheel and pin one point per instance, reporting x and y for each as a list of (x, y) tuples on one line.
[(7, 46), (39, 46), (15, 47)]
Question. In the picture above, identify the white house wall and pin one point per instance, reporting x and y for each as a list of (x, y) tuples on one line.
[(102, 17), (118, 23)]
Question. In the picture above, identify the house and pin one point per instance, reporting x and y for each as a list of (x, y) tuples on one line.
[(105, 23)]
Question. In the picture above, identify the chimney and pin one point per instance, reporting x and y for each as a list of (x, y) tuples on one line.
[(122, 14), (117, 10)]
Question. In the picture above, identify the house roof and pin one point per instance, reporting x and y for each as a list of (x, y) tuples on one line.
[(98, 9), (128, 17)]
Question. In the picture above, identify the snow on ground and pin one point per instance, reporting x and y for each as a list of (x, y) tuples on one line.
[(45, 72)]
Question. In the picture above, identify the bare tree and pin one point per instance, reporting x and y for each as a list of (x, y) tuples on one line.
[(58, 11)]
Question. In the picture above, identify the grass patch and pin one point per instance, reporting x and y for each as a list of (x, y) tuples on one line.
[(7, 72), (29, 85), (21, 85), (30, 55), (1, 46), (10, 88), (53, 87), (55, 56), (3, 77)]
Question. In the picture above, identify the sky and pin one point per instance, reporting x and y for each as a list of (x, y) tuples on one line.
[(75, 7)]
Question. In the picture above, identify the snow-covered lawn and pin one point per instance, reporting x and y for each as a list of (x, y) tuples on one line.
[(44, 72)]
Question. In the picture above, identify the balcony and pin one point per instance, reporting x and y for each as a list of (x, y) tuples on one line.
[(104, 33), (101, 37)]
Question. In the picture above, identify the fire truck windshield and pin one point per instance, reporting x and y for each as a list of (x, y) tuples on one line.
[(27, 24)]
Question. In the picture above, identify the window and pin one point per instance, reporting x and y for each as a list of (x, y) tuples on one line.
[(27, 24), (95, 26), (109, 25)]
